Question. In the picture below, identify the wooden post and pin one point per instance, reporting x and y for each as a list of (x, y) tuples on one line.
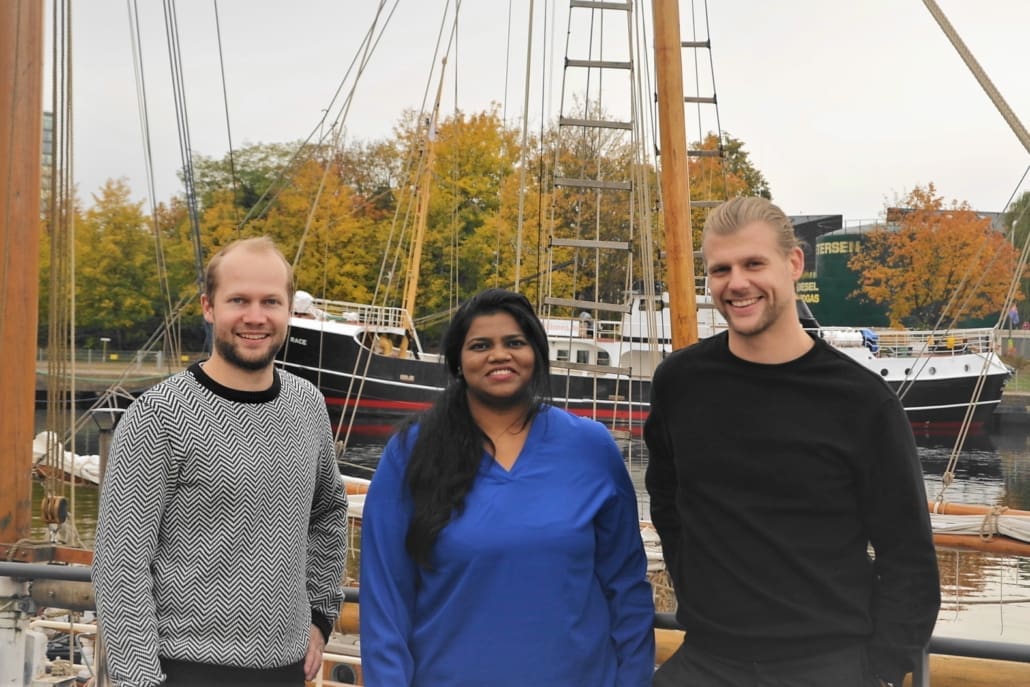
[(21, 133), (21, 127), (675, 173)]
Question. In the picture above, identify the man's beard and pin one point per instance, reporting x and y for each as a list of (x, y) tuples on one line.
[(227, 351)]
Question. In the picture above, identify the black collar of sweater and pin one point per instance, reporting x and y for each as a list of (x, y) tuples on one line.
[(237, 395)]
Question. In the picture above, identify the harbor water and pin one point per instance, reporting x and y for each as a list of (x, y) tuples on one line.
[(984, 596)]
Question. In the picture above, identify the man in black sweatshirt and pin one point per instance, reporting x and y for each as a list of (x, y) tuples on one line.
[(776, 463)]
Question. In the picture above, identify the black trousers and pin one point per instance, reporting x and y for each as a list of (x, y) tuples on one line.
[(189, 674), (691, 667)]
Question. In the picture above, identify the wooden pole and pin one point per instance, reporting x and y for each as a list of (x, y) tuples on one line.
[(947, 508), (675, 173), (21, 133), (424, 180), (998, 544)]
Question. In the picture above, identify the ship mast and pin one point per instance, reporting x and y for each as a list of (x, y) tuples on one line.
[(674, 173), (424, 178), (21, 140), (21, 120)]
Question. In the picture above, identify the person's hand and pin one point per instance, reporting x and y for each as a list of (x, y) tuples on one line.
[(313, 658)]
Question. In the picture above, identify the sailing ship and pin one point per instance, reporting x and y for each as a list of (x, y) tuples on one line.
[(380, 336), (374, 372), (369, 362)]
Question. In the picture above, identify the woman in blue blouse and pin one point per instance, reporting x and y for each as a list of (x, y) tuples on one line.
[(500, 537)]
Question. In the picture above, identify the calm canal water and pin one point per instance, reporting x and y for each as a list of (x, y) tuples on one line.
[(984, 596)]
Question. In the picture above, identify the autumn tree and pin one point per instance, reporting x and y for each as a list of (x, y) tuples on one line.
[(344, 212), (574, 210), (373, 170), (181, 275), (117, 292), (727, 174), (473, 156), (335, 249), (937, 264)]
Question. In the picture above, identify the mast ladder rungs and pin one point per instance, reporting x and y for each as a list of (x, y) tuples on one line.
[(595, 123), (700, 100), (590, 243), (587, 305), (704, 153), (586, 367), (597, 5), (593, 183), (602, 64), (706, 203)]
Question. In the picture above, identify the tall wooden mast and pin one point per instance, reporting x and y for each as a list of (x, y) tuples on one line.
[(424, 179), (675, 173), (21, 124)]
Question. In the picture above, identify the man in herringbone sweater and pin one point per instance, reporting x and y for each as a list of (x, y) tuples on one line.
[(221, 536)]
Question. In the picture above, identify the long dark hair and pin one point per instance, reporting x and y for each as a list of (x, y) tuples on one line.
[(449, 448)]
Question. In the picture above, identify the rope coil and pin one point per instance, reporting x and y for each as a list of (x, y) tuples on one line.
[(989, 524)]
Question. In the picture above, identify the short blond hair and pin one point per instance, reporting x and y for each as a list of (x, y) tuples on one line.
[(739, 212)]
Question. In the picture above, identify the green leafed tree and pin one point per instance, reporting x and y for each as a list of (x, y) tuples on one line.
[(251, 176), (1016, 220)]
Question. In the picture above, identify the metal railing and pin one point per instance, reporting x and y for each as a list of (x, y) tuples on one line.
[(363, 313), (944, 646)]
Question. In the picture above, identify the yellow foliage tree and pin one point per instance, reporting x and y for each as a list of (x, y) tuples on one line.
[(590, 214), (721, 177), (935, 264)]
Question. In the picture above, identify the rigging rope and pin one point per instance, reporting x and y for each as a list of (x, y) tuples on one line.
[(1024, 255), (60, 379), (61, 365), (172, 342), (228, 126), (645, 205), (394, 243), (522, 149), (546, 79), (185, 145)]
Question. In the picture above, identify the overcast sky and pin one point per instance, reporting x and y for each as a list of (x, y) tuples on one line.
[(842, 105)]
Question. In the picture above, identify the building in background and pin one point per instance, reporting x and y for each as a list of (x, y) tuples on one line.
[(828, 283)]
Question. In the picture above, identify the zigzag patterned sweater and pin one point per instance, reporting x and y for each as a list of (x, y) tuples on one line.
[(221, 534)]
